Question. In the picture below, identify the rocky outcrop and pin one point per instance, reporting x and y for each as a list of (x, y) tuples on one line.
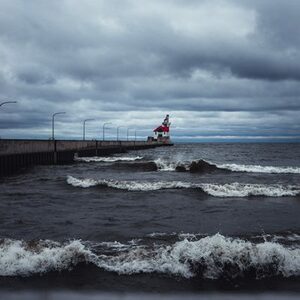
[(202, 166)]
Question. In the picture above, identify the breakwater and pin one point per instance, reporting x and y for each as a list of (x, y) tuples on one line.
[(19, 154)]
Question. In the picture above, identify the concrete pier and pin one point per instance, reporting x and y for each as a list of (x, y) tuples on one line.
[(18, 154)]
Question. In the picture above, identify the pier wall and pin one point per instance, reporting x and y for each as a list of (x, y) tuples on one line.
[(19, 154)]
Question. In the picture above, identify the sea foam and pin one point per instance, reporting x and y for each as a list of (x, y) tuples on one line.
[(127, 185), (259, 169), (210, 257), (243, 190), (166, 165), (21, 258), (217, 190), (107, 159)]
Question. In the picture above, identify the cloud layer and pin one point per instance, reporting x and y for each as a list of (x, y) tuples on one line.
[(218, 67)]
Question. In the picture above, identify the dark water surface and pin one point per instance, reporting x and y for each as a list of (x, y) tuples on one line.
[(116, 224)]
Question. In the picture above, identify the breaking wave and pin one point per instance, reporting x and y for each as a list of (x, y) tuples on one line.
[(259, 169), (243, 190), (21, 258), (163, 165), (107, 159), (200, 166), (210, 257), (217, 190), (127, 185), (204, 166)]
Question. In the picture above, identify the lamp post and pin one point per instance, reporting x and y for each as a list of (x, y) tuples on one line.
[(134, 138), (57, 113), (128, 134), (118, 132), (6, 102), (83, 133), (107, 123)]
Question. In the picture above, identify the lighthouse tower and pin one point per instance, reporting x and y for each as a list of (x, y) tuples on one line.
[(162, 132)]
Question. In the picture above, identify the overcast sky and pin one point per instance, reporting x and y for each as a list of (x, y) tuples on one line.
[(223, 69)]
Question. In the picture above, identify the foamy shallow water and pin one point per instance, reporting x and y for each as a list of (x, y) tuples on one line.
[(208, 257)]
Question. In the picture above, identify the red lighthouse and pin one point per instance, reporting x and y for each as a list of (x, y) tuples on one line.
[(162, 132)]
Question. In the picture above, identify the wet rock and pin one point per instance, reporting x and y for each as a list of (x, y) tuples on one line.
[(201, 166)]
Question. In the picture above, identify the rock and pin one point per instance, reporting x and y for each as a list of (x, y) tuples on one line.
[(201, 166)]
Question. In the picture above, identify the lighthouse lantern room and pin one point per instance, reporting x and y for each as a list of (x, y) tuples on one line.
[(162, 132)]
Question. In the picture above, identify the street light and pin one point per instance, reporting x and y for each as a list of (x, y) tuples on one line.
[(118, 131), (57, 113), (6, 102), (128, 134), (107, 123), (83, 135)]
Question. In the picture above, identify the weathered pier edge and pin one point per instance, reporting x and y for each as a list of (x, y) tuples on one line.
[(19, 154)]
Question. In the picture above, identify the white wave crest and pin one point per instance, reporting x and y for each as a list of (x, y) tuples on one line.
[(243, 190), (164, 165), (147, 186), (84, 183), (217, 190), (211, 257), (127, 185), (19, 258), (259, 169), (107, 159)]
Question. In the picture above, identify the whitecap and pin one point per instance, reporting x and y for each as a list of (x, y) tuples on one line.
[(107, 159), (217, 190), (259, 169), (127, 185), (19, 258), (243, 190), (210, 257), (84, 183), (165, 165)]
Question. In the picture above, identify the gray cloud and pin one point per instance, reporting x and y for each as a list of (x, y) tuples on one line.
[(232, 67)]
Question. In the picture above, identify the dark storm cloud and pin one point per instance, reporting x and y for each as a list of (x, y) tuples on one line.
[(132, 61)]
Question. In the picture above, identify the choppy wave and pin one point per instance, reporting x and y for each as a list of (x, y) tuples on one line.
[(165, 165), (127, 185), (243, 190), (259, 169), (107, 159), (210, 257), (21, 258), (217, 190)]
